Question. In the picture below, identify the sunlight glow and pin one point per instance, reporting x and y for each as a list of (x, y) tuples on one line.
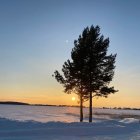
[(73, 98)]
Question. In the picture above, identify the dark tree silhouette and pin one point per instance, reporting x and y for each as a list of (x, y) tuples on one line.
[(90, 70), (72, 81)]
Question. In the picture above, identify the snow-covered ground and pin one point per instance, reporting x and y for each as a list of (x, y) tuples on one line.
[(128, 129), (61, 123), (62, 114)]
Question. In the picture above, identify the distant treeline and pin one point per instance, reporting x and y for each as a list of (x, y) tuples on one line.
[(21, 103), (55, 105), (14, 103), (122, 108)]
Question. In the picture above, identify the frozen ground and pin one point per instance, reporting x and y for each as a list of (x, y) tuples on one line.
[(127, 129), (62, 114), (61, 123)]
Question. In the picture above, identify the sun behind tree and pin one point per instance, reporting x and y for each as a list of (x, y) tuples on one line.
[(73, 98), (90, 69)]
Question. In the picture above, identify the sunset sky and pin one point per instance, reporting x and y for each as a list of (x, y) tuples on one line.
[(36, 37)]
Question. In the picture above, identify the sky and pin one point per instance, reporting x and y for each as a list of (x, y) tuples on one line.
[(36, 37)]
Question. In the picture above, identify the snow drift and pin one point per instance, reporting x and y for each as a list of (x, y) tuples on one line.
[(103, 130)]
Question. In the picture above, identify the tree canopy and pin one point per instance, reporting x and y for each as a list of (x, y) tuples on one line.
[(90, 69)]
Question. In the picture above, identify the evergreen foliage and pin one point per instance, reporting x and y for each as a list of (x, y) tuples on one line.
[(90, 69)]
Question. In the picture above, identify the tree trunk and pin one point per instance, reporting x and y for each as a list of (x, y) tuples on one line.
[(90, 107), (81, 109)]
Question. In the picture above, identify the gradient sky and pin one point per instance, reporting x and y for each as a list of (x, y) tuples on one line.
[(36, 37)]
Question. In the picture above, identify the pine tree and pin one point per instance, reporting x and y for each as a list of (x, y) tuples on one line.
[(71, 80), (98, 67), (90, 70)]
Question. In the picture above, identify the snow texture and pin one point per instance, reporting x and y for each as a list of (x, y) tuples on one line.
[(104, 130), (24, 125)]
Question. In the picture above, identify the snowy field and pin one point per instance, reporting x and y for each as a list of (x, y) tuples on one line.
[(61, 123)]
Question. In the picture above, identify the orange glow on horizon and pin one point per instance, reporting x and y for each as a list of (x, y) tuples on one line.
[(56, 96)]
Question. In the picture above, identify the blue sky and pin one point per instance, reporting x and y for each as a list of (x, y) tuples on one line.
[(36, 37)]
